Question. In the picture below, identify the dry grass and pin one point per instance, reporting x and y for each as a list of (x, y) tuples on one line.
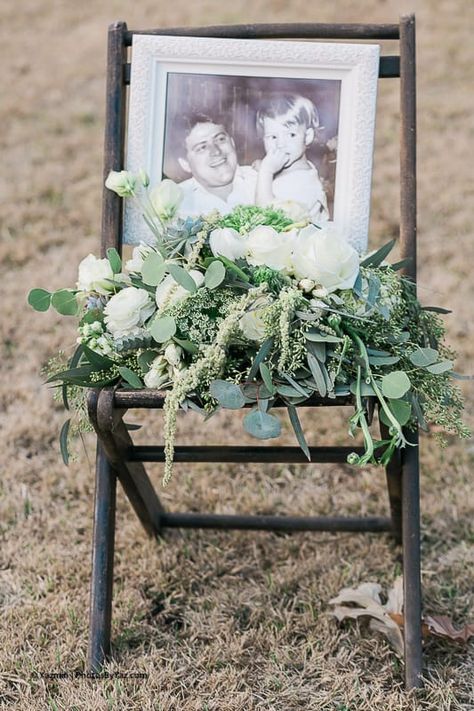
[(218, 620)]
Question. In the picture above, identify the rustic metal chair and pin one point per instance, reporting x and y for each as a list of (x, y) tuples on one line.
[(118, 458)]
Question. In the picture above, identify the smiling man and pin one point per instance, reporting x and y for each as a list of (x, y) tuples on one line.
[(217, 181)]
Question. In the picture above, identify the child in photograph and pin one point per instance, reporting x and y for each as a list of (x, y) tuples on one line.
[(288, 123)]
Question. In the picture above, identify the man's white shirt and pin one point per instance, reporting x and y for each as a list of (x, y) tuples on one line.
[(199, 201)]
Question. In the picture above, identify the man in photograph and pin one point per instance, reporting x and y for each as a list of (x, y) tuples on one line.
[(217, 181)]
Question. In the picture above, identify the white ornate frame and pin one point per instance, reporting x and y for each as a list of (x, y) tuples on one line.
[(356, 65)]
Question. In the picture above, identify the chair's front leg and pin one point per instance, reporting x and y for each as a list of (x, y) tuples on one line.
[(411, 562), (102, 563)]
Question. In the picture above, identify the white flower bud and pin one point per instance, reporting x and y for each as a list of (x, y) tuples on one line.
[(306, 285), (121, 182)]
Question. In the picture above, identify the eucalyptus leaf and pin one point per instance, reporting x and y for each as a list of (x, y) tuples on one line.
[(375, 259), (436, 309), (383, 360), (182, 277), (294, 383), (130, 377), (319, 350), (442, 367), (321, 337), (228, 395), (417, 409), (262, 353), (318, 375), (65, 302), (365, 389), (262, 425), (400, 409), (145, 359), (395, 385), (423, 357), (39, 299), (267, 377), (153, 269), (186, 345), (163, 328), (215, 274), (288, 391), (63, 442), (295, 422), (114, 260)]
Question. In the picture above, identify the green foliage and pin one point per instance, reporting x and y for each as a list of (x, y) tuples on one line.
[(65, 302), (163, 328), (245, 218), (215, 274), (39, 299), (228, 395), (262, 425), (115, 260)]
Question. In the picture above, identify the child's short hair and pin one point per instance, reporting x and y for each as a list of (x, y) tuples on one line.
[(301, 108)]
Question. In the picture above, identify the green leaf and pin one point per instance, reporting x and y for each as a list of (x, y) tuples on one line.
[(262, 425), (373, 260), (365, 390), (442, 367), (186, 345), (153, 269), (267, 378), (317, 373), (102, 362), (39, 299), (395, 385), (460, 376), (321, 337), (215, 274), (72, 374), (263, 351), (228, 395), (182, 277), (231, 266), (130, 377), (65, 302), (288, 391), (294, 419), (423, 357), (383, 360), (418, 412), (114, 260), (318, 350), (145, 359), (63, 438), (436, 309), (294, 383), (163, 328), (400, 409)]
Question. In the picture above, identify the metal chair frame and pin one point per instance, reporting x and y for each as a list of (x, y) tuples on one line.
[(118, 458)]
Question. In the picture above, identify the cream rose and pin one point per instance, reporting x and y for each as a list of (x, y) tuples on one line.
[(252, 323), (121, 182), (170, 292), (227, 242), (158, 374), (127, 311), (166, 198), (93, 275), (266, 246), (327, 258), (173, 354), (139, 255)]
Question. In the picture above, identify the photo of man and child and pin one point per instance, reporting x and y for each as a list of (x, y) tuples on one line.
[(252, 140)]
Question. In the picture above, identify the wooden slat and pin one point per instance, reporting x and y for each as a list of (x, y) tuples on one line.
[(389, 68), (301, 30), (268, 455)]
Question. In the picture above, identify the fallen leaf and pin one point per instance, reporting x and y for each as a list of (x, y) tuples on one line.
[(442, 626)]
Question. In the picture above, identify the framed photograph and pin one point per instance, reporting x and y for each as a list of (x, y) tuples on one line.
[(255, 122)]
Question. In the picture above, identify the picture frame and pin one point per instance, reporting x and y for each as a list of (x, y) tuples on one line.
[(257, 95)]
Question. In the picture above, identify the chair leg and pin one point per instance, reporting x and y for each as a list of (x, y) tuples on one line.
[(411, 562), (393, 473), (102, 563)]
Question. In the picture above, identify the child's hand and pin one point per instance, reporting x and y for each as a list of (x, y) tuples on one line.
[(274, 161)]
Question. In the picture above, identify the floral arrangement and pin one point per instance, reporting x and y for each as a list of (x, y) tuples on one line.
[(256, 308)]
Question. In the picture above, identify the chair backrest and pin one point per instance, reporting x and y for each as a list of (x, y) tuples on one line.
[(391, 66)]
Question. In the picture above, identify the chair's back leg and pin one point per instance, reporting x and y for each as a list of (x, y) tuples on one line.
[(102, 563)]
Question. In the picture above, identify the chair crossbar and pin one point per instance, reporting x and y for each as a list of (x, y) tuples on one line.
[(254, 522), (296, 30), (389, 68), (271, 455)]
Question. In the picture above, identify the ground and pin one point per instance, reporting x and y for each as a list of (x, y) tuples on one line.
[(224, 621)]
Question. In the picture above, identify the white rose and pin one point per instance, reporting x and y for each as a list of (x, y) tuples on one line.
[(173, 354), (139, 254), (158, 374), (252, 324), (93, 275), (166, 198), (121, 182), (266, 246), (326, 257), (227, 242), (168, 291), (127, 310)]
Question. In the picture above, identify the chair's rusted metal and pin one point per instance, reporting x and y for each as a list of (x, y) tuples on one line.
[(117, 457)]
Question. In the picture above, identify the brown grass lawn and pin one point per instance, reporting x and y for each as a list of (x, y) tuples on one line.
[(223, 621)]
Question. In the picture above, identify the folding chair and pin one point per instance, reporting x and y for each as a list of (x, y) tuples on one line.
[(118, 458)]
